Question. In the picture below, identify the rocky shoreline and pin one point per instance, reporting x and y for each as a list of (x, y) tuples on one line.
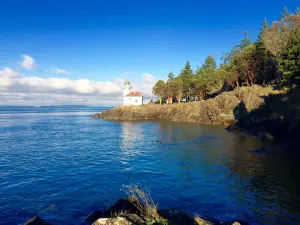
[(124, 212), (225, 108), (263, 111)]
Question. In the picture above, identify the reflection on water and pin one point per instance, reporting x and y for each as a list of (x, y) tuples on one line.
[(62, 166)]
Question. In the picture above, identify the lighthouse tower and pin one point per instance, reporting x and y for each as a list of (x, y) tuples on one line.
[(127, 88), (131, 97)]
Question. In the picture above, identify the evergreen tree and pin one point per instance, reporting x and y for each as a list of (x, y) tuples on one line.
[(290, 59), (297, 11), (210, 63), (245, 42), (285, 13), (263, 29), (186, 75), (171, 76)]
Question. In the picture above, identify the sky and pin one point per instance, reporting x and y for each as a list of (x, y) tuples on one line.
[(80, 52)]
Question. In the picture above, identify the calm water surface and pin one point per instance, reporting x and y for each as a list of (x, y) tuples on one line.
[(62, 164)]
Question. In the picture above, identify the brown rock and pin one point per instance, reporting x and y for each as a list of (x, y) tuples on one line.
[(36, 221), (112, 221)]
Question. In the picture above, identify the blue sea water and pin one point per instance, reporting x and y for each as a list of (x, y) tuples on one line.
[(61, 164)]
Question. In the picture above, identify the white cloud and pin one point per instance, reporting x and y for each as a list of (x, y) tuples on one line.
[(27, 89), (28, 62), (149, 78), (61, 71), (16, 89), (120, 82), (6, 77)]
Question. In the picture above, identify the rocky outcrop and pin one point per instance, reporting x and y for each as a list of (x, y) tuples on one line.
[(219, 110), (124, 212), (112, 221), (36, 221)]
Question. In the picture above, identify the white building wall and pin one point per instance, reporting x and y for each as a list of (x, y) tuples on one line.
[(128, 100)]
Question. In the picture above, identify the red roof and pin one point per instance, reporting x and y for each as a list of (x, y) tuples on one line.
[(134, 94)]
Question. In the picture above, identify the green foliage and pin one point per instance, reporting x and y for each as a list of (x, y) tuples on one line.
[(290, 59), (207, 78), (174, 88), (274, 55), (263, 29), (159, 89), (171, 76), (285, 13), (210, 63), (245, 41), (186, 75)]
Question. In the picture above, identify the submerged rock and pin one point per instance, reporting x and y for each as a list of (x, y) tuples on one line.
[(36, 221)]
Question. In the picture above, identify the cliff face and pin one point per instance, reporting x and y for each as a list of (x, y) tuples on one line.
[(223, 109)]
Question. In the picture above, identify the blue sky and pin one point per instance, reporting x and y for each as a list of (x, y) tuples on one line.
[(115, 40)]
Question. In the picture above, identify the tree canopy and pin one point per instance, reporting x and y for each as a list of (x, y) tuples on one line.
[(273, 58)]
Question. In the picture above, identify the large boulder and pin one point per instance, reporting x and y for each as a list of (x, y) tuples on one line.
[(177, 217), (112, 221), (121, 206)]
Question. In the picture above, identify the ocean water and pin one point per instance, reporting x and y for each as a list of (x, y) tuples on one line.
[(61, 164)]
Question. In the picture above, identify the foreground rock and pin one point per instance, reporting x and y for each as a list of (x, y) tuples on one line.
[(36, 221), (223, 109), (124, 212), (112, 221)]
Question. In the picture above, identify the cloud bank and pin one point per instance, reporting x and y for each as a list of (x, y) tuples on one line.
[(37, 89), (16, 89)]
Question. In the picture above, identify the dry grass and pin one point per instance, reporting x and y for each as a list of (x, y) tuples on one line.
[(200, 221), (141, 198)]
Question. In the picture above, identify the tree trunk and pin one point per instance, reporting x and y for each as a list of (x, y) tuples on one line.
[(202, 95), (237, 82), (160, 100), (248, 83), (169, 99)]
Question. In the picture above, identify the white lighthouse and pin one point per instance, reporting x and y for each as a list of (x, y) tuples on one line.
[(127, 88), (131, 97)]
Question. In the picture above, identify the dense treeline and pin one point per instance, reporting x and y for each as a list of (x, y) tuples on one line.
[(274, 58)]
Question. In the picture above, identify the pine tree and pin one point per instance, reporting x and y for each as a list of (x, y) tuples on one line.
[(171, 76), (210, 63), (245, 42), (285, 13), (298, 11), (290, 59), (186, 75), (263, 28)]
